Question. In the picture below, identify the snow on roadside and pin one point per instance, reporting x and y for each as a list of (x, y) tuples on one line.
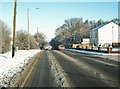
[(86, 52), (9, 67), (111, 56)]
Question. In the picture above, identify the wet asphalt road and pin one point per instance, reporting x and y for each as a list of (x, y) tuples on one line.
[(98, 62), (43, 77)]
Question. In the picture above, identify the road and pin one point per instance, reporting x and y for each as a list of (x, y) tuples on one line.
[(79, 70), (42, 76)]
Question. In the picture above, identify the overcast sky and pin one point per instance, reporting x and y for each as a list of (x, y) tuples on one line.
[(51, 15)]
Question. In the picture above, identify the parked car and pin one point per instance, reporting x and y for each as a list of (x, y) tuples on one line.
[(106, 45)]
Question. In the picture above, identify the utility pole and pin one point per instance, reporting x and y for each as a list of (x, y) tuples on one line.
[(28, 28), (14, 29)]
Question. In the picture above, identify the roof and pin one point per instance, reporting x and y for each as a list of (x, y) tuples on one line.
[(102, 25)]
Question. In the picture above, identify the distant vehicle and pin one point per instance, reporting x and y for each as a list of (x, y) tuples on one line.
[(47, 47), (61, 47)]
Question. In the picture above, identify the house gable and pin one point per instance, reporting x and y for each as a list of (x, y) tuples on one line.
[(105, 33), (102, 25)]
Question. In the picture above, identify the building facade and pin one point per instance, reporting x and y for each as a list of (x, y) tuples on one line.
[(105, 34)]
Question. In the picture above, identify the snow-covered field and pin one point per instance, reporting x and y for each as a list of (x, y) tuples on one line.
[(9, 67), (111, 56)]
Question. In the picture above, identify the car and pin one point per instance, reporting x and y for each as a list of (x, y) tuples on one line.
[(106, 45)]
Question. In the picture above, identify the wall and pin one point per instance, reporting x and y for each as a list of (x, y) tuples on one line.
[(94, 37), (108, 34)]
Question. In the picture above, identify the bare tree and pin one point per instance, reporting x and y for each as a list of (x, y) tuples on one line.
[(74, 30), (33, 43), (40, 38), (22, 40), (0, 37), (4, 37)]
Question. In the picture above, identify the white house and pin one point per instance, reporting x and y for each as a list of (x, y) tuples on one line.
[(105, 33)]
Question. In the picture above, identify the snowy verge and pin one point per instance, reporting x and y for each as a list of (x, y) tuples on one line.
[(9, 67), (112, 56)]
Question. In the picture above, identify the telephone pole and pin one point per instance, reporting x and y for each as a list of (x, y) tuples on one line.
[(14, 29)]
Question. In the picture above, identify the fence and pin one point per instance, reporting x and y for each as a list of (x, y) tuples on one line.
[(100, 49)]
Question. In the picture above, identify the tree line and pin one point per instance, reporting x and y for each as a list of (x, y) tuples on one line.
[(35, 41), (74, 30)]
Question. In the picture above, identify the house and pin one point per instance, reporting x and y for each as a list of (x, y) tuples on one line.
[(108, 33)]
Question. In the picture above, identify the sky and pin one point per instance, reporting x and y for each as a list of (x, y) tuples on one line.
[(51, 15)]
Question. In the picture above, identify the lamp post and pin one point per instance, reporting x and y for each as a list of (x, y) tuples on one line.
[(28, 27), (14, 29)]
